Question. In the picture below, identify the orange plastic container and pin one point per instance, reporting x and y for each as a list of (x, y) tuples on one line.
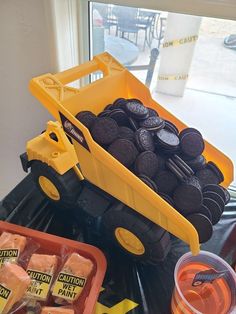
[(50, 244)]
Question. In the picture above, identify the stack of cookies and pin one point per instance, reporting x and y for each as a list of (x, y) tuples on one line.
[(168, 161)]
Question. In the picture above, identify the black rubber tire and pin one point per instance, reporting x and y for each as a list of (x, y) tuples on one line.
[(155, 239), (68, 184)]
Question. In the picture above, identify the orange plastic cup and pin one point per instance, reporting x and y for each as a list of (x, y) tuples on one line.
[(208, 295)]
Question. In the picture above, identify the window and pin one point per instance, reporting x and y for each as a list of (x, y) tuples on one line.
[(130, 35), (209, 88)]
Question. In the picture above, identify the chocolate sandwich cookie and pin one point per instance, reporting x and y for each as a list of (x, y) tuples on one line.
[(135, 99), (153, 123), (119, 102), (209, 175), (204, 211), (169, 126), (144, 140), (214, 208), (167, 139), (191, 143), (126, 133), (182, 165), (166, 182), (104, 131), (188, 196), (176, 170), (149, 182), (146, 164), (110, 107), (104, 113), (216, 197), (167, 198), (216, 170), (119, 116), (136, 110), (87, 118), (133, 124), (227, 195), (196, 163), (169, 152), (124, 151), (203, 226), (161, 161), (215, 188), (189, 130), (152, 113)]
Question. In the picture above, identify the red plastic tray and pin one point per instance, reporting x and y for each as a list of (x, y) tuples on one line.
[(50, 244)]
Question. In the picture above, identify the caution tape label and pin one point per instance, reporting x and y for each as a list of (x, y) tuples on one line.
[(68, 287), (40, 284), (181, 41), (4, 297), (177, 77), (8, 255)]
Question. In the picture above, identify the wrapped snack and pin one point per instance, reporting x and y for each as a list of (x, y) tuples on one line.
[(41, 269), (72, 279), (56, 310), (11, 246), (14, 282)]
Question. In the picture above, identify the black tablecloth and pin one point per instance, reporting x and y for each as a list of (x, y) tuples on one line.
[(129, 287)]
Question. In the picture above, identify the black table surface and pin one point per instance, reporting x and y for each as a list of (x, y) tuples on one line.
[(129, 287)]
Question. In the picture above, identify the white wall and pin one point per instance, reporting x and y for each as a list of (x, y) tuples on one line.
[(26, 50)]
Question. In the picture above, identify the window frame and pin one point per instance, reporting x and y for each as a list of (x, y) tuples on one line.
[(223, 9)]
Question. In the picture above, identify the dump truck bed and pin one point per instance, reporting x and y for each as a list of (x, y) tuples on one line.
[(96, 164)]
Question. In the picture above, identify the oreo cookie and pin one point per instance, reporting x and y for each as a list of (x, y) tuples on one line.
[(119, 102), (227, 195), (136, 110), (135, 99), (148, 182), (104, 131), (152, 113), (124, 151), (171, 127), (176, 170), (191, 143), (196, 163), (209, 175), (182, 165), (189, 130), (214, 208), (146, 164), (144, 140), (87, 118), (166, 182), (110, 107), (216, 170), (216, 197), (167, 139), (203, 226), (104, 113), (215, 188), (167, 198), (204, 211), (133, 124), (119, 116), (126, 133), (152, 123), (188, 196), (161, 161)]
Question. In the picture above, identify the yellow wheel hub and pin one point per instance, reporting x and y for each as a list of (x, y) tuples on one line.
[(129, 241), (49, 188)]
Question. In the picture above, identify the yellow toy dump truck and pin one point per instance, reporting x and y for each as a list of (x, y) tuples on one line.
[(65, 156)]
